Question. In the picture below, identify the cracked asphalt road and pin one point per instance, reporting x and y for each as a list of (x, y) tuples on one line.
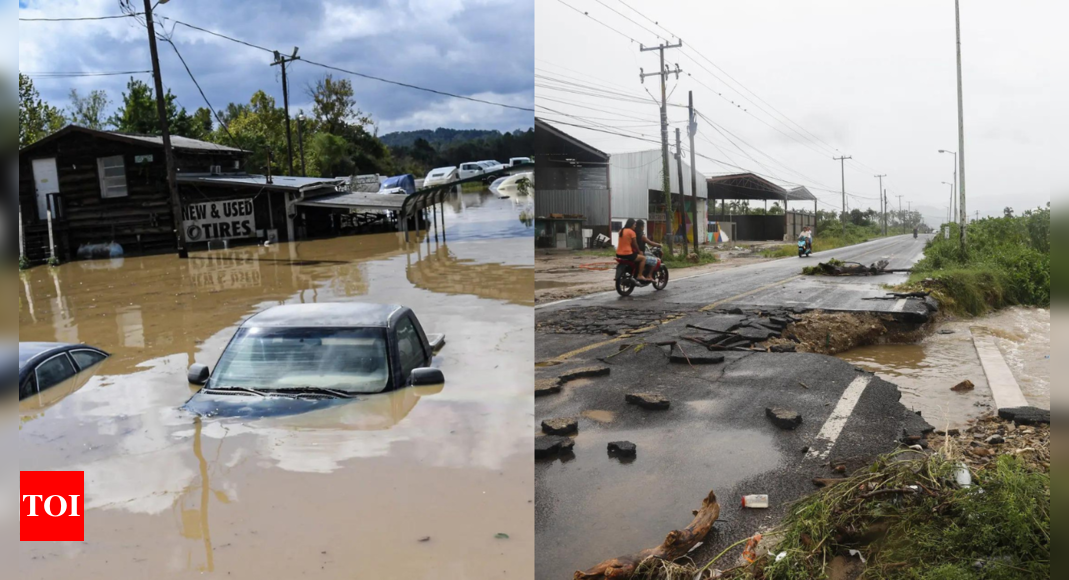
[(591, 506)]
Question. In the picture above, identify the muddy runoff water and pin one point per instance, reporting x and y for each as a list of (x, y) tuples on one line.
[(926, 371), (419, 483)]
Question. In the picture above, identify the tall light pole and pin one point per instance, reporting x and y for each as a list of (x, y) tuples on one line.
[(961, 127), (843, 161), (882, 208), (300, 141), (953, 192), (950, 212)]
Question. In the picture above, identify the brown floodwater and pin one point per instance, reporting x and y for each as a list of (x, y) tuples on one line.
[(925, 372), (353, 491)]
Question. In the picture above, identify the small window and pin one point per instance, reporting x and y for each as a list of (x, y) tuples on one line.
[(54, 371), (410, 346), (86, 358), (29, 389), (112, 177)]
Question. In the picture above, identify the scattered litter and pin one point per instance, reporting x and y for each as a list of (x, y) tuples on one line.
[(963, 476), (755, 502), (501, 537), (750, 553), (857, 554), (783, 556), (425, 539)]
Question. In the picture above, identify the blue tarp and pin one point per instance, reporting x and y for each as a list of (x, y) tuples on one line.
[(403, 182)]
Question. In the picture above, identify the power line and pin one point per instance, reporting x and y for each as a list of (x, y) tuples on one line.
[(587, 14), (62, 75), (82, 18), (199, 89), (223, 36)]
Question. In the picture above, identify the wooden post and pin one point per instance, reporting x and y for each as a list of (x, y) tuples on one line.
[(51, 238)]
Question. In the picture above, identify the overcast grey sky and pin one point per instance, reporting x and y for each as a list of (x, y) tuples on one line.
[(479, 48), (872, 79)]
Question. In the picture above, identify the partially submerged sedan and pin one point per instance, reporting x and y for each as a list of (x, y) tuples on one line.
[(298, 358), (43, 365)]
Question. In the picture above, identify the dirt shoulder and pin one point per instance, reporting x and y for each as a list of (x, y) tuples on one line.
[(561, 275)]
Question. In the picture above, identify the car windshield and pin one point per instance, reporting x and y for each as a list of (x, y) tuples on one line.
[(352, 360)]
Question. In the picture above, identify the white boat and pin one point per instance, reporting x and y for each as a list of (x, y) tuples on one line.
[(440, 176)]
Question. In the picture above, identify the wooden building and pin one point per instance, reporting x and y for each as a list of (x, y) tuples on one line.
[(572, 178), (108, 189)]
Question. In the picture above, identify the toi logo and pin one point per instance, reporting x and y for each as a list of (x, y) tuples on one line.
[(52, 506)]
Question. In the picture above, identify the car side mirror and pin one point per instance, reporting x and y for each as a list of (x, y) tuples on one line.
[(199, 374), (427, 376)]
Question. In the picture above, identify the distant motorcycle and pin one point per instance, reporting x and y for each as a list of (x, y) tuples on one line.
[(915, 234), (804, 251), (627, 273)]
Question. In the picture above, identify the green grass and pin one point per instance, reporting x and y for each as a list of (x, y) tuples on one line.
[(940, 532), (830, 236), (1005, 263)]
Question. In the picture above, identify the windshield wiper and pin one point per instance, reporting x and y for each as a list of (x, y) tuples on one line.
[(317, 391), (236, 390)]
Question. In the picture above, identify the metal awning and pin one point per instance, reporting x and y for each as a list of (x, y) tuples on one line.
[(357, 201), (277, 183), (745, 186)]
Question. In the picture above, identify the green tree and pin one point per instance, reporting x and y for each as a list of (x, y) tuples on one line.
[(260, 127), (37, 119), (330, 155), (138, 115), (88, 111), (335, 105)]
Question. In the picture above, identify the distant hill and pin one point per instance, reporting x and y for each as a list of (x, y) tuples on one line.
[(437, 138)]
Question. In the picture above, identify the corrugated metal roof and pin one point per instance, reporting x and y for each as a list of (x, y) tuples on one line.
[(277, 183), (365, 201), (184, 143)]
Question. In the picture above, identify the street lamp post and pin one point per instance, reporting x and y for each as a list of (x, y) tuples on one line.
[(950, 212), (953, 193)]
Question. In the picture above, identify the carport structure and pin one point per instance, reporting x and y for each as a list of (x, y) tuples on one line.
[(752, 187)]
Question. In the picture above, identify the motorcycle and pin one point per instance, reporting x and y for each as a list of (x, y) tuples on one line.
[(804, 251), (627, 273)]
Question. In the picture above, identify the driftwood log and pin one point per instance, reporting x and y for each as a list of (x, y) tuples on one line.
[(675, 546)]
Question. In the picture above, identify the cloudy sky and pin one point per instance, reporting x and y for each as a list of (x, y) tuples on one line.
[(875, 80), (477, 48)]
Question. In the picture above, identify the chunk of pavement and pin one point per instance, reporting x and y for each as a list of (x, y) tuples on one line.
[(623, 449), (781, 348), (756, 333), (963, 386), (564, 426), (722, 322), (545, 387), (784, 418), (996, 440), (1025, 415), (552, 446), (649, 401), (697, 359), (585, 373)]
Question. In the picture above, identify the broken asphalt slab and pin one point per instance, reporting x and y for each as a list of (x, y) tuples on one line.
[(707, 438)]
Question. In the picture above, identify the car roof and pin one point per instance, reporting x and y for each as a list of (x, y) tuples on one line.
[(343, 315), (31, 351)]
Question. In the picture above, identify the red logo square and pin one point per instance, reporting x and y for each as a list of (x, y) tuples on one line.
[(52, 506)]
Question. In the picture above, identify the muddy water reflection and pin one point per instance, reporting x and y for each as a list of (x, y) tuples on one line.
[(926, 371), (342, 493)]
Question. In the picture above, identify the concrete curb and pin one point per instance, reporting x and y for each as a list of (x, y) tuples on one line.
[(1004, 388)]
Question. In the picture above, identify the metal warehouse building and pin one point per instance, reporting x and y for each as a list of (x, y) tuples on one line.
[(637, 192), (572, 177)]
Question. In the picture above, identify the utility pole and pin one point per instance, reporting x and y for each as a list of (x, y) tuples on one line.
[(663, 72), (886, 205), (679, 164), (880, 193), (961, 127), (843, 161), (692, 130), (950, 211), (900, 213), (165, 131), (283, 61)]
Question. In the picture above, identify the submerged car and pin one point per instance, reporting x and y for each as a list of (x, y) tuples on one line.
[(298, 358), (43, 365)]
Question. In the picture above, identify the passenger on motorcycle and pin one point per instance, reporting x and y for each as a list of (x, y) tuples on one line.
[(628, 250), (652, 263)]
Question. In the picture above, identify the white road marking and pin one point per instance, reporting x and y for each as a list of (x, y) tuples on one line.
[(900, 305), (833, 427)]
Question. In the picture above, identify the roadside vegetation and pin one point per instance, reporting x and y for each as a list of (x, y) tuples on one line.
[(860, 227), (1006, 262)]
